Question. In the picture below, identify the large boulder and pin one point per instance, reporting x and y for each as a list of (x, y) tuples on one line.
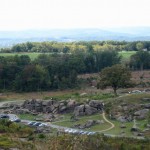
[(96, 104), (146, 99), (122, 119), (147, 106), (71, 103), (22, 111), (88, 124), (84, 110), (141, 114)]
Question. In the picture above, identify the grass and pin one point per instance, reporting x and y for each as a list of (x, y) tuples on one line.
[(28, 116), (127, 54), (33, 55), (66, 122), (6, 143), (134, 98), (117, 130), (82, 98), (35, 95), (57, 95)]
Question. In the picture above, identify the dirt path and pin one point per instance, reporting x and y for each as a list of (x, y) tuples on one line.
[(112, 125)]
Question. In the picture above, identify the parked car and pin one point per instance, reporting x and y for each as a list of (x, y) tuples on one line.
[(37, 124), (15, 120), (3, 116), (43, 124), (31, 123)]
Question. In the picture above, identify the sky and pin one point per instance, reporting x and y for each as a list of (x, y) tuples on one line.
[(49, 14)]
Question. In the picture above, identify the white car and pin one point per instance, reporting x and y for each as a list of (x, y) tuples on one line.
[(43, 124), (15, 120)]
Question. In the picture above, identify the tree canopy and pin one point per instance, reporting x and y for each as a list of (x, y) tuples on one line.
[(140, 60), (116, 76)]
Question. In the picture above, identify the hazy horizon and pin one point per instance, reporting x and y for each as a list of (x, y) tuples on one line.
[(18, 15)]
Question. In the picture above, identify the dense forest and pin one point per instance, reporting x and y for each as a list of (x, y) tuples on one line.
[(59, 70), (70, 47), (54, 71)]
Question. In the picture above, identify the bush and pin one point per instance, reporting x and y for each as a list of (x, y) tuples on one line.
[(41, 136)]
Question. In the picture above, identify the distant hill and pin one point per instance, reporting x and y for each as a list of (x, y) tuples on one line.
[(9, 38)]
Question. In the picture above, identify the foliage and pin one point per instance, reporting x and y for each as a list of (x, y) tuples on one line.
[(6, 143), (48, 72), (140, 60), (116, 76), (70, 47)]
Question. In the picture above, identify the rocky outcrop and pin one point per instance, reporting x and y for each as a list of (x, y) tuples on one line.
[(45, 129), (49, 106), (147, 106), (94, 106), (37, 106), (125, 118), (88, 124), (84, 110), (146, 99), (141, 114)]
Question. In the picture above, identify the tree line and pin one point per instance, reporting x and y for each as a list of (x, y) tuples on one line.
[(54, 71), (71, 47)]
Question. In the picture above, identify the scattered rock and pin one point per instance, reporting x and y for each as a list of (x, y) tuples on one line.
[(123, 126), (45, 129), (148, 125), (83, 94), (147, 106), (99, 121), (88, 124), (122, 119), (134, 129), (140, 134), (141, 114), (146, 99), (22, 111)]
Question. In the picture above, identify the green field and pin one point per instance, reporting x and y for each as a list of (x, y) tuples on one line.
[(124, 54), (31, 55)]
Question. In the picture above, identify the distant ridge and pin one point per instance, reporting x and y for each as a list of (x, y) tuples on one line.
[(9, 38)]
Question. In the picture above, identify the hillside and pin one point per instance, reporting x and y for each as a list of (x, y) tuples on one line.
[(9, 38)]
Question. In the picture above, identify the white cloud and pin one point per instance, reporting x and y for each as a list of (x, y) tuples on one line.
[(25, 14)]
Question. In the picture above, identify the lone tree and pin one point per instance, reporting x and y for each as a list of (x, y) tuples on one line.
[(116, 76)]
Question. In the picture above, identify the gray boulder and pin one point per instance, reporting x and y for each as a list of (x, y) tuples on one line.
[(147, 106), (141, 114), (89, 123), (146, 99), (99, 121), (122, 119), (84, 110), (96, 104)]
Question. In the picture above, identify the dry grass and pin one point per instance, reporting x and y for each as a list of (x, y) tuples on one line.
[(136, 77), (35, 95)]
